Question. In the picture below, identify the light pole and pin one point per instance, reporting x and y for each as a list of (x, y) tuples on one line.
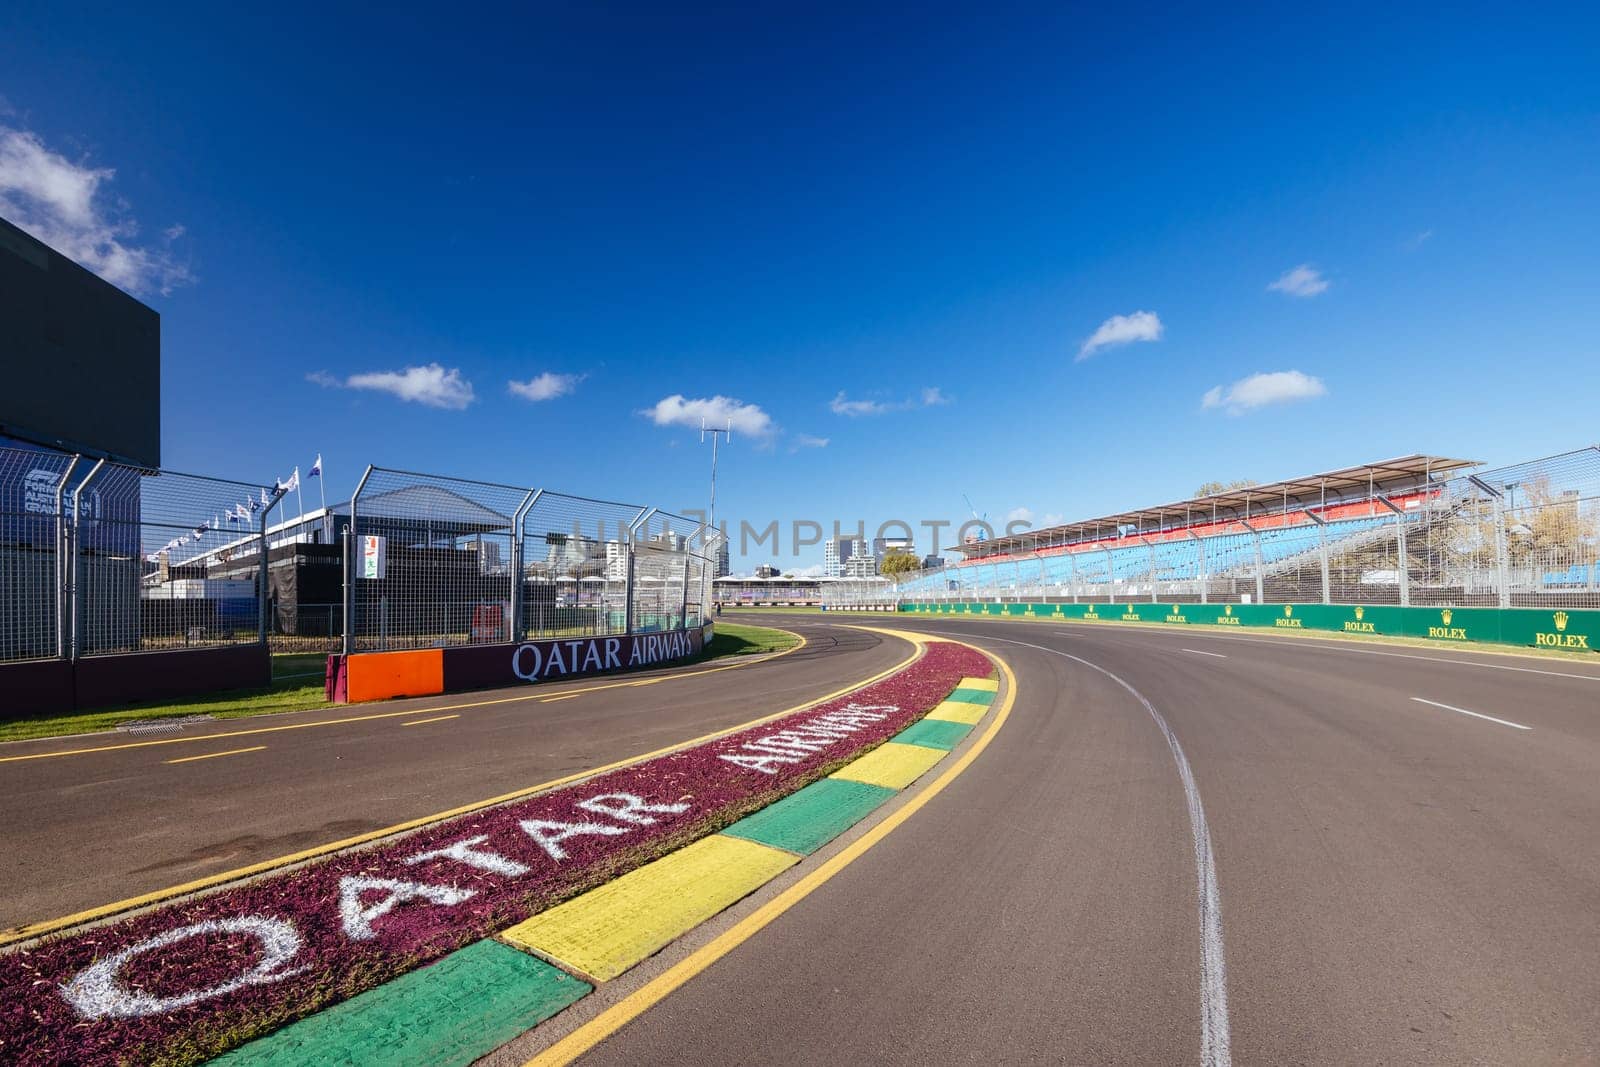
[(728, 433)]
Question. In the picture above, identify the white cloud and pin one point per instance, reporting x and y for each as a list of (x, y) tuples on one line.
[(1259, 390), (843, 406), (431, 385), (1304, 280), (1416, 241), (930, 397), (1019, 515), (805, 440), (546, 386), (63, 204), (716, 412), (1052, 518), (1122, 330)]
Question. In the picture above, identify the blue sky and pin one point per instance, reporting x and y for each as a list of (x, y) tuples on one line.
[(889, 240)]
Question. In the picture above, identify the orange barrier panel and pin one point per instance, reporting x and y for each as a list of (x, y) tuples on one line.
[(382, 675)]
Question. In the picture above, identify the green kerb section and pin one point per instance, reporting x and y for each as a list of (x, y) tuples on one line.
[(459, 1009), (934, 733), (972, 696), (805, 821)]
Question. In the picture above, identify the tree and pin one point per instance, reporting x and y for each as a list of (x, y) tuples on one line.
[(895, 564), (1213, 488)]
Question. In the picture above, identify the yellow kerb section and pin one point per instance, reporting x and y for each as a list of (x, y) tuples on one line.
[(893, 766), (612, 927), (959, 711), (991, 684)]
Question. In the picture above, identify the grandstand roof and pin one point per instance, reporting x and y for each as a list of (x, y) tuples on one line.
[(1348, 483)]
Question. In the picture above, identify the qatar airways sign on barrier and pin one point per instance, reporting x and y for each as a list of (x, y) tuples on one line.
[(487, 666)]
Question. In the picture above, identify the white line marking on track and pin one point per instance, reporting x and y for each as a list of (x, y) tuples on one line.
[(1214, 1036), (1283, 642), (1198, 652), (1474, 714)]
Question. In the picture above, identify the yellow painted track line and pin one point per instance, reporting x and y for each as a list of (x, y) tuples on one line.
[(436, 718), (31, 930), (395, 714), (214, 755), (642, 999), (552, 700)]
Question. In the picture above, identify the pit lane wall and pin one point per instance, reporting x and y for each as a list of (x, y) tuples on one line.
[(1573, 631), (366, 676)]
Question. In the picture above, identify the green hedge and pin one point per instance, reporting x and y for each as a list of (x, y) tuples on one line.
[(1558, 628)]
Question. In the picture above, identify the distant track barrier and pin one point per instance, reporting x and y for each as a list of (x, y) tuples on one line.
[(1572, 631)]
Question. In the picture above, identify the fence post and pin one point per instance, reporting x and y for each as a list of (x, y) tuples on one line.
[(1502, 562), (77, 560), (262, 583), (627, 587), (518, 548), (352, 536), (1255, 541), (1205, 579), (1150, 554), (683, 601), (1327, 586), (1404, 564), (1072, 567), (63, 554)]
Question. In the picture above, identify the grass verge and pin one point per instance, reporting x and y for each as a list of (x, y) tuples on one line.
[(297, 679)]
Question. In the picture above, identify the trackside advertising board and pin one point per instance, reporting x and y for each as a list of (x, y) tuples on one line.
[(1557, 628)]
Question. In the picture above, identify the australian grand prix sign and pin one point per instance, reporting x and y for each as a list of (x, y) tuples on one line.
[(485, 666)]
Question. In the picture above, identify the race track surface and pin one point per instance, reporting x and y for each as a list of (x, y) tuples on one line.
[(87, 828), (1402, 847), (1398, 882)]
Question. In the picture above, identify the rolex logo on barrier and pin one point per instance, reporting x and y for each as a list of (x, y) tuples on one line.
[(1447, 632), (1359, 627), (1176, 615), (1129, 614), (1360, 611), (1561, 639), (1288, 622), (1227, 617)]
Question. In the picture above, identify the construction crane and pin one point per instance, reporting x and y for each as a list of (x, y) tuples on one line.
[(983, 519)]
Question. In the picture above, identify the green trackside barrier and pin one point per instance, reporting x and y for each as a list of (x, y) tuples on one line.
[(1572, 630)]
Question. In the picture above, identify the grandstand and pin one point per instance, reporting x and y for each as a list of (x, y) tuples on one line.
[(1415, 529)]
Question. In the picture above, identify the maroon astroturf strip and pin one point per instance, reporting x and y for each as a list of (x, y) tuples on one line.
[(295, 942)]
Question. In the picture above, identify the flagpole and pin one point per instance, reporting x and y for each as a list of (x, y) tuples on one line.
[(299, 502)]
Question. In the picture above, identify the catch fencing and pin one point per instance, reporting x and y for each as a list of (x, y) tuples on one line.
[(98, 558), (437, 561), (1525, 535)]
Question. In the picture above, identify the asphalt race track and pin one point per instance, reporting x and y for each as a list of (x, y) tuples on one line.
[(87, 828), (1403, 844), (1398, 882)]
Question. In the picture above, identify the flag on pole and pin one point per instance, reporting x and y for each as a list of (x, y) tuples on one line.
[(200, 531), (250, 502), (293, 483), (242, 513), (264, 501), (316, 468)]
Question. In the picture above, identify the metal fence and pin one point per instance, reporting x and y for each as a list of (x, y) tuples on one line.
[(1526, 535), (97, 557), (449, 561)]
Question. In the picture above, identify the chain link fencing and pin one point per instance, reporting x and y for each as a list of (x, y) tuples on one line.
[(449, 561), (97, 558), (1525, 535)]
